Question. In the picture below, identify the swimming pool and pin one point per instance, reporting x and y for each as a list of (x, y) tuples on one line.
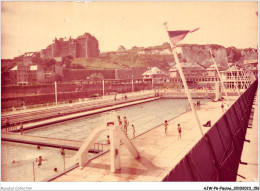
[(144, 117)]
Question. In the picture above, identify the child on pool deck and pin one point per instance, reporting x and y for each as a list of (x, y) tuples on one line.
[(165, 126)]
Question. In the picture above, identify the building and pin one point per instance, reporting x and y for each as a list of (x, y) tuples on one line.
[(211, 71), (154, 74), (84, 46), (189, 70), (252, 65), (237, 76), (196, 76), (23, 74), (129, 73)]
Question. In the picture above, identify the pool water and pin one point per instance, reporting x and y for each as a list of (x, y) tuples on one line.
[(143, 116), (17, 162)]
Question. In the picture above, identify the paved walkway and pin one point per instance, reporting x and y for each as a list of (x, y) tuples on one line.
[(250, 152), (159, 153)]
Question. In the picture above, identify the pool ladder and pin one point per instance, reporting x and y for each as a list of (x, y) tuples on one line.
[(98, 148)]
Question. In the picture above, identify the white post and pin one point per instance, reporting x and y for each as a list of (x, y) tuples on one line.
[(221, 81), (185, 86), (114, 148), (103, 83), (56, 97), (217, 90), (132, 85)]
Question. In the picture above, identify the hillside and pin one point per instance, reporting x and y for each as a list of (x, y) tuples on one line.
[(161, 56)]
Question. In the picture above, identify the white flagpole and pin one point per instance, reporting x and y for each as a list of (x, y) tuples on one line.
[(236, 83), (221, 81), (185, 84)]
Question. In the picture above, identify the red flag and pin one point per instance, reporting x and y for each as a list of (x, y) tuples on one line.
[(176, 36)]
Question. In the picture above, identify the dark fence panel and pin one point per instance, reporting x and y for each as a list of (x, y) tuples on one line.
[(217, 155)]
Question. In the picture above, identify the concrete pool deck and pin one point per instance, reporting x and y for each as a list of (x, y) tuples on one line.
[(159, 153)]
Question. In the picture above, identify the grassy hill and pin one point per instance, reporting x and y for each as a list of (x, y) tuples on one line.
[(161, 56)]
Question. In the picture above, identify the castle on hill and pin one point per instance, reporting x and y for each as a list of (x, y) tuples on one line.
[(84, 46)]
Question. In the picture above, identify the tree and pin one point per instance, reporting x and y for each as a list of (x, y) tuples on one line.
[(67, 60), (48, 63)]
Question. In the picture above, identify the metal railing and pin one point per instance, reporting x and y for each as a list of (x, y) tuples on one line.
[(79, 100)]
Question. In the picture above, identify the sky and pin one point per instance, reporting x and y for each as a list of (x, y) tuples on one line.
[(32, 26)]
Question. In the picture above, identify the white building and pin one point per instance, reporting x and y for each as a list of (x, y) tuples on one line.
[(236, 76), (154, 74)]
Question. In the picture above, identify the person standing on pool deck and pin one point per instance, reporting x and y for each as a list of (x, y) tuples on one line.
[(222, 107), (125, 125), (133, 128), (179, 131), (165, 126), (21, 128), (119, 121)]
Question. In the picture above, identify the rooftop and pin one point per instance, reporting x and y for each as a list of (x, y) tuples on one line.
[(154, 71), (187, 66)]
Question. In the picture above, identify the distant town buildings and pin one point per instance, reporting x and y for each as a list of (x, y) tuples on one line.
[(84, 46), (24, 74)]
